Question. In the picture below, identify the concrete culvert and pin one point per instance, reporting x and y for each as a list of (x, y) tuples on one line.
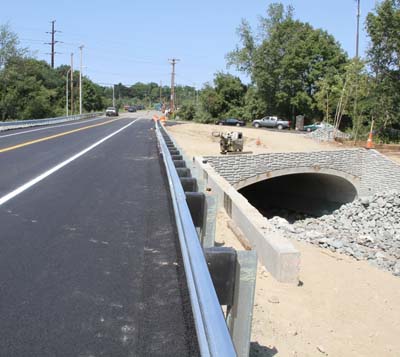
[(296, 194)]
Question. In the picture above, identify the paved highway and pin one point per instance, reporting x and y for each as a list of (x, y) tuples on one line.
[(89, 257)]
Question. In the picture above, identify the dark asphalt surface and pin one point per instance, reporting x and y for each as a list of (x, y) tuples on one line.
[(22, 164), (89, 257)]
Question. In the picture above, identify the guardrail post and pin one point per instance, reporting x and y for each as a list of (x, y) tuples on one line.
[(221, 262), (240, 316), (196, 202)]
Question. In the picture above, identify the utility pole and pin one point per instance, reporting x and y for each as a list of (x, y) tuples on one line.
[(80, 82), (53, 42), (160, 92), (355, 111), (173, 62), (72, 84), (358, 27), (113, 96), (66, 92)]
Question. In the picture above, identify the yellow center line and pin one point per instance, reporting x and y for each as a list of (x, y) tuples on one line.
[(54, 136)]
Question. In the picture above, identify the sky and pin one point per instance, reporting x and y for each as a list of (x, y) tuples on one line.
[(131, 41)]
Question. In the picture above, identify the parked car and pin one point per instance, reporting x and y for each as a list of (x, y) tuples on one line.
[(313, 127), (112, 112), (271, 122), (231, 121), (131, 109)]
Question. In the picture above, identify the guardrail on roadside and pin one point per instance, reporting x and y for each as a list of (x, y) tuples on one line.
[(211, 329), (18, 124)]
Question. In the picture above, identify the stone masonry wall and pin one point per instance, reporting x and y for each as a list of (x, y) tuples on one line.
[(376, 172)]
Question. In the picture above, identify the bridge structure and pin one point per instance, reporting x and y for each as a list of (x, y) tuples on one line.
[(331, 177), (311, 182)]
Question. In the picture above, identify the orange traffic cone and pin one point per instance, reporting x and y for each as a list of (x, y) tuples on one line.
[(370, 143), (258, 142)]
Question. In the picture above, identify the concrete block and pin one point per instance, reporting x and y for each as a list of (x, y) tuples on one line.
[(274, 252)]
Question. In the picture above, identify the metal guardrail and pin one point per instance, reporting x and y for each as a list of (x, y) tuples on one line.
[(212, 332), (18, 124)]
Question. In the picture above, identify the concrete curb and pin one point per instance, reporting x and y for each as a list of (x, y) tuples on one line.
[(275, 253)]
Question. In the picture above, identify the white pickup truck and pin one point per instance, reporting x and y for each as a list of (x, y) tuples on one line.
[(271, 122), (112, 112)]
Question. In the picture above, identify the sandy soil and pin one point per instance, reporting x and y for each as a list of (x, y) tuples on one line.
[(342, 307), (199, 140)]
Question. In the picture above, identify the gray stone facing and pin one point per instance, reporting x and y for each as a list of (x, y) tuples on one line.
[(373, 171)]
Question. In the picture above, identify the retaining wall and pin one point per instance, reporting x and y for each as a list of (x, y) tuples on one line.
[(368, 170), (276, 253)]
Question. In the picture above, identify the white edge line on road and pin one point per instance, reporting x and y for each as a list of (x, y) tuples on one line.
[(42, 176), (50, 127)]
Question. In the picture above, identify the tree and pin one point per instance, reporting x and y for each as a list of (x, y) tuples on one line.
[(383, 27), (9, 46), (286, 61), (211, 101), (92, 94), (226, 98)]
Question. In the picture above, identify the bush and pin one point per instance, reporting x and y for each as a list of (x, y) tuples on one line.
[(203, 117), (389, 135), (187, 112)]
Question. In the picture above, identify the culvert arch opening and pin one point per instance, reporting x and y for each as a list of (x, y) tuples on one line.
[(294, 196)]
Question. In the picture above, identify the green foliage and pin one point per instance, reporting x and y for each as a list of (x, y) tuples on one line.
[(225, 98), (203, 116), (9, 46), (31, 89), (28, 90), (384, 29), (287, 61), (92, 93), (254, 107), (187, 112)]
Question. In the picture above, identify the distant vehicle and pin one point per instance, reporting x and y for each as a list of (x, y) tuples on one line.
[(112, 112), (313, 127), (132, 109), (140, 107), (271, 122), (126, 107), (230, 121)]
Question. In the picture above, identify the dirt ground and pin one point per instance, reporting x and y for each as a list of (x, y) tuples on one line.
[(198, 139), (342, 307)]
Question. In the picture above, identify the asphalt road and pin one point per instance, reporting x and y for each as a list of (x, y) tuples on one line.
[(89, 257)]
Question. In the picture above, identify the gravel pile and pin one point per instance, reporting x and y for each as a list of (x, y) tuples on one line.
[(366, 229), (326, 134)]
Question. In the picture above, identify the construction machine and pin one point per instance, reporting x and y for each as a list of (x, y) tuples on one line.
[(231, 142)]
